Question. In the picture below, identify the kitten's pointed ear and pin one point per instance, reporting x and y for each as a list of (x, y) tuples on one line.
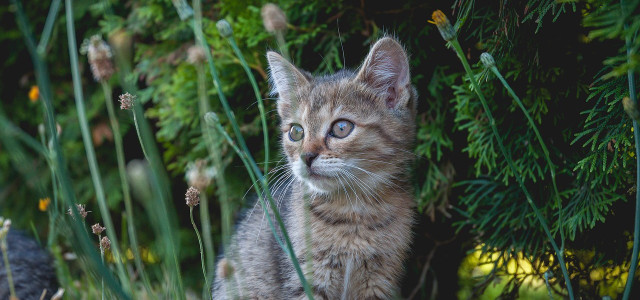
[(285, 77), (386, 70)]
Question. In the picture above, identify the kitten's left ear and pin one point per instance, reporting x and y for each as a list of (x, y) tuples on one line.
[(386, 70)]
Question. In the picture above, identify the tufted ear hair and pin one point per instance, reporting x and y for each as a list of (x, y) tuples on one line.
[(285, 79), (386, 70)]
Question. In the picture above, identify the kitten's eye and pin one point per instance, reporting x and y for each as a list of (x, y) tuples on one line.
[(341, 129), (296, 132)]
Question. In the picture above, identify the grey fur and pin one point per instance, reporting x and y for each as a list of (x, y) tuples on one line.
[(31, 269)]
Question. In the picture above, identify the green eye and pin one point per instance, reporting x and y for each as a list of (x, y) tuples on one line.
[(296, 132), (341, 129)]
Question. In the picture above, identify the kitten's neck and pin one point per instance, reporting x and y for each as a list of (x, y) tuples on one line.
[(356, 203)]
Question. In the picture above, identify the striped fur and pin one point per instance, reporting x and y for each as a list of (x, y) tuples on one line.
[(360, 204)]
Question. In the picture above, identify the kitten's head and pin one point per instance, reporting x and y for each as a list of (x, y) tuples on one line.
[(349, 131)]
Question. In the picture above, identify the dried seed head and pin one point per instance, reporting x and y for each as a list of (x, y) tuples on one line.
[(487, 60), (105, 243), (444, 26), (192, 196), (199, 175), (99, 54), (631, 108), (273, 18), (97, 229), (224, 28), (81, 210), (126, 101), (196, 55)]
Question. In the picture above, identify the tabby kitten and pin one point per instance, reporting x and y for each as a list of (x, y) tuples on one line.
[(347, 138)]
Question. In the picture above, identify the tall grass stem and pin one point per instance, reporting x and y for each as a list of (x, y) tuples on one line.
[(126, 190), (202, 260), (90, 152)]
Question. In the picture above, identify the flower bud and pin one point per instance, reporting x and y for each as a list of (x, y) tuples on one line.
[(192, 196), (444, 26), (211, 118), (126, 101), (97, 229), (224, 28), (99, 54), (105, 243), (487, 60), (273, 18)]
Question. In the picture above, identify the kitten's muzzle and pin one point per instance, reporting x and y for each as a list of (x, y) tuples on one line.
[(309, 157)]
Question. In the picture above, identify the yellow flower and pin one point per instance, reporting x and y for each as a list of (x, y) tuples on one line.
[(444, 26), (34, 93), (44, 203)]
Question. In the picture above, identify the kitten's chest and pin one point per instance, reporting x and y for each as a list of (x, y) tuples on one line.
[(346, 249)]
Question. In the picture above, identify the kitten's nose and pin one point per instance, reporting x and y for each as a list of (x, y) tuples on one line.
[(309, 157)]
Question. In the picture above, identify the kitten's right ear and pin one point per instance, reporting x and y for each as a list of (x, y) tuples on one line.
[(285, 77)]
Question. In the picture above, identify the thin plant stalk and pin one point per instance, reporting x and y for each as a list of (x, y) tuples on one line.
[(81, 238), (126, 191), (48, 26), (102, 258), (256, 91), (202, 261), (137, 107), (545, 150), (91, 155), (507, 156), (5, 257), (636, 135), (197, 28), (214, 153)]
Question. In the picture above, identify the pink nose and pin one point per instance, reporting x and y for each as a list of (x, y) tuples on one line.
[(308, 158)]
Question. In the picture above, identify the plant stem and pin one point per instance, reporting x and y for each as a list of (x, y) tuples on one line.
[(636, 135), (195, 228), (162, 212), (213, 152), (256, 91), (5, 257), (492, 123), (86, 138), (126, 191), (552, 169), (48, 26), (102, 258)]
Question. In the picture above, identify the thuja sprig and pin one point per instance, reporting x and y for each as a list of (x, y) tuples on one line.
[(448, 33), (631, 106), (488, 61), (250, 164)]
